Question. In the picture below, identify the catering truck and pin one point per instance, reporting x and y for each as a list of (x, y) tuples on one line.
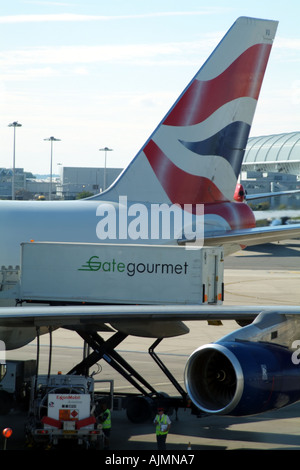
[(120, 274)]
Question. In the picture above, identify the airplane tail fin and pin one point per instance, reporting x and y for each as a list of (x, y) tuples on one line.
[(195, 154)]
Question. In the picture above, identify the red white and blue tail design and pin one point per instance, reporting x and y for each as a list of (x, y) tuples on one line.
[(195, 154)]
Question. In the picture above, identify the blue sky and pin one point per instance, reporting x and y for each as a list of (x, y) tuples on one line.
[(100, 73)]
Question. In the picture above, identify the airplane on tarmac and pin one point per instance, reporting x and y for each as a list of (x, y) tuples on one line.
[(191, 161)]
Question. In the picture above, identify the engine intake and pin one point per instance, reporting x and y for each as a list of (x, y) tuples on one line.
[(242, 378), (214, 379)]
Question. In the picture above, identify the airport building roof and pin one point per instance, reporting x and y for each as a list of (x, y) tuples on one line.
[(277, 153)]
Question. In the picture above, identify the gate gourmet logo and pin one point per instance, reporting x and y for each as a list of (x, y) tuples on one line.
[(94, 263)]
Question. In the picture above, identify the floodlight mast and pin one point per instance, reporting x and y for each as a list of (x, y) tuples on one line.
[(14, 124), (51, 139), (105, 149)]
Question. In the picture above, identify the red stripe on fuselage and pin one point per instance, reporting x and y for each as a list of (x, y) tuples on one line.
[(243, 78)]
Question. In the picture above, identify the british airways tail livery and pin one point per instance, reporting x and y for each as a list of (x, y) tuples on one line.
[(195, 154)]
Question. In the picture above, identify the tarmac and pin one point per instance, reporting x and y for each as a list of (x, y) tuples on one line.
[(268, 275)]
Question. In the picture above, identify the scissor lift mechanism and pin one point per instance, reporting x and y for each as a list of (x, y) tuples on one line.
[(149, 398)]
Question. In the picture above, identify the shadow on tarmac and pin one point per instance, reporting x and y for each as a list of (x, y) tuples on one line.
[(281, 255), (275, 249)]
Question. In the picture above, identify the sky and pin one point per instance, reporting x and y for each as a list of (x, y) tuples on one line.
[(98, 73)]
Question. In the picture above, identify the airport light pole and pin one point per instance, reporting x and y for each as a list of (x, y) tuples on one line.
[(105, 149), (14, 125), (51, 139)]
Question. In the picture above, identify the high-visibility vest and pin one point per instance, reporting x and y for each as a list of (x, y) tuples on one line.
[(161, 420), (107, 423)]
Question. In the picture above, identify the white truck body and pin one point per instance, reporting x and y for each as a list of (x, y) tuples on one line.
[(120, 274)]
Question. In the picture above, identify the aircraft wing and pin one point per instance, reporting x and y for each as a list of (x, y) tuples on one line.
[(251, 197), (85, 315), (254, 236)]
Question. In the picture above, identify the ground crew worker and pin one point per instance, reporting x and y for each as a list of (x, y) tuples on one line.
[(162, 423), (105, 420)]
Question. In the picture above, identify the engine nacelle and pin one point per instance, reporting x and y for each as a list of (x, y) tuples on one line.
[(242, 378)]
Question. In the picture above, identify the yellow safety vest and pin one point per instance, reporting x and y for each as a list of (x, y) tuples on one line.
[(107, 423), (161, 420)]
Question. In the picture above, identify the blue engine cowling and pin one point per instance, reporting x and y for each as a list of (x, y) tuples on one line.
[(242, 378)]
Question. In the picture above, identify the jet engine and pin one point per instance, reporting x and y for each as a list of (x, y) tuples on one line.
[(242, 378)]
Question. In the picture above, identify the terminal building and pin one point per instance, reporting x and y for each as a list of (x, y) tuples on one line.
[(71, 182), (76, 180), (6, 175), (272, 163)]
